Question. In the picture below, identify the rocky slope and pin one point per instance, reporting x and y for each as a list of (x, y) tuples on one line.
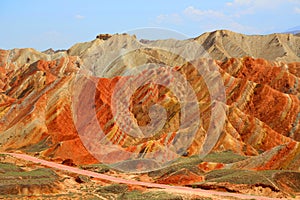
[(225, 44), (57, 104), (125, 50)]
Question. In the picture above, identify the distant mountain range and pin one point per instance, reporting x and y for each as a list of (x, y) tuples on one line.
[(295, 30)]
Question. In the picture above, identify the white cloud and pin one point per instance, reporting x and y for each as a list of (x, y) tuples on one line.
[(237, 27), (256, 3), (294, 1), (261, 4), (212, 20), (197, 14), (208, 20), (249, 7), (171, 19), (79, 16), (233, 17), (243, 2)]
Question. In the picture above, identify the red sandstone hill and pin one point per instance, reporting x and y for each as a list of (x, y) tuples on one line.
[(46, 103), (262, 112)]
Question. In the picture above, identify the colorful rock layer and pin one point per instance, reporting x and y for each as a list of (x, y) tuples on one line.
[(48, 106)]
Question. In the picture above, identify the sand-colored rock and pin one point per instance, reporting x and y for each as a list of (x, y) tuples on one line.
[(223, 44), (120, 52)]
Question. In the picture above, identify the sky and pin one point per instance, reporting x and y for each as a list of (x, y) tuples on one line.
[(59, 24)]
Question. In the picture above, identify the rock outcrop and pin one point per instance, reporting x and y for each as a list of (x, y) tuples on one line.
[(104, 36)]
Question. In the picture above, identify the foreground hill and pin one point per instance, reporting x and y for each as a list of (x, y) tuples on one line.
[(91, 103)]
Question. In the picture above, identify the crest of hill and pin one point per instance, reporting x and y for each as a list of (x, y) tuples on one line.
[(99, 55), (223, 44)]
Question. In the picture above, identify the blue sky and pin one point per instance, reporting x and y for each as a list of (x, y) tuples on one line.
[(61, 23)]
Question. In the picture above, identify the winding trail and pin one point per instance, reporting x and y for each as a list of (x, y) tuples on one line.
[(177, 189)]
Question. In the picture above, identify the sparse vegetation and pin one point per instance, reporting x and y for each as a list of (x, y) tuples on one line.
[(114, 188), (224, 157), (14, 175), (189, 163), (100, 168), (149, 195), (240, 176), (13, 179), (38, 147), (9, 167)]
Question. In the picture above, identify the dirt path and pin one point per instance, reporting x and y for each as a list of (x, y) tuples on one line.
[(176, 189)]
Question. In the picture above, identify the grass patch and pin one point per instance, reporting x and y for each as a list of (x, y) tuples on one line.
[(38, 147), (149, 195), (100, 168), (38, 176), (13, 180), (277, 180), (42, 172), (9, 167), (114, 188), (241, 176), (189, 163), (224, 157)]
